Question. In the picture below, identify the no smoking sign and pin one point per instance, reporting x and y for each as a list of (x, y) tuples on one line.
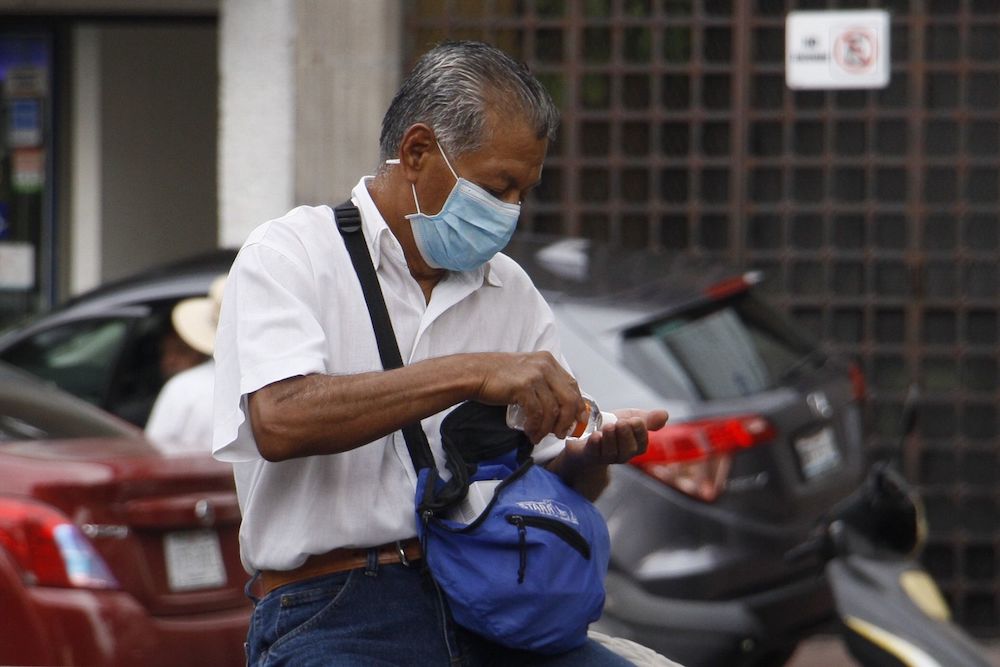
[(837, 49)]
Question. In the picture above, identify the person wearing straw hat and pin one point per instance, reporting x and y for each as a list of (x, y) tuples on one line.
[(181, 419), (176, 355)]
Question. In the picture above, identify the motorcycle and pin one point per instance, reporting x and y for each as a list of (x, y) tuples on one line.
[(890, 611), (866, 586)]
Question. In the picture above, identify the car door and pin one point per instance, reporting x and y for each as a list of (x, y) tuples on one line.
[(110, 360)]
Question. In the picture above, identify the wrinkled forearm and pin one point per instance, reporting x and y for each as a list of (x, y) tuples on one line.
[(327, 414)]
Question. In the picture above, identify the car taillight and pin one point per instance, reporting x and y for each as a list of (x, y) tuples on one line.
[(49, 548), (694, 457)]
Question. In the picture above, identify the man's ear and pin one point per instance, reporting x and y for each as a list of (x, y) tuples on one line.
[(417, 144)]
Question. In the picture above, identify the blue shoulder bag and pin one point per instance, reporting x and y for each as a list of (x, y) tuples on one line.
[(526, 567)]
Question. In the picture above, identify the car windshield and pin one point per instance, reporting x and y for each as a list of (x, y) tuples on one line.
[(725, 349)]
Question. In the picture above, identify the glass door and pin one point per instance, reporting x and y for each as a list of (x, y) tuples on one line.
[(26, 230)]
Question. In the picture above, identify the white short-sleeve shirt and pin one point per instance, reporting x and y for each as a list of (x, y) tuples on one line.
[(181, 419), (293, 306)]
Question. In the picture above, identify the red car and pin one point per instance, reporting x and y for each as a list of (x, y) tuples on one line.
[(111, 553)]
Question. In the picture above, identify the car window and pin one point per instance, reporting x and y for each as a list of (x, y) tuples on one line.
[(726, 349), (78, 357), (138, 377)]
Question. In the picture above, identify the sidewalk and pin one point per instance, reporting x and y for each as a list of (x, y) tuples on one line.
[(829, 652)]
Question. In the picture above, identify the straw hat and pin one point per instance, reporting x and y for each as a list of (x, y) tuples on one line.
[(196, 319)]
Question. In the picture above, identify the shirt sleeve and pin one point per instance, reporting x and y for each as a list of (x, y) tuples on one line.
[(269, 330)]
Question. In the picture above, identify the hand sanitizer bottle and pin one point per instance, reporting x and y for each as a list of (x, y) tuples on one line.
[(582, 429)]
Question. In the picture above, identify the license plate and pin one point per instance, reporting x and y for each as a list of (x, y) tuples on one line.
[(194, 560), (818, 453)]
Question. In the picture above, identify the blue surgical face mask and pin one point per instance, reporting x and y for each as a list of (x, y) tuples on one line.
[(470, 228)]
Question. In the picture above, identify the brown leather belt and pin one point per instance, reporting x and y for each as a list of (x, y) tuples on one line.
[(339, 560)]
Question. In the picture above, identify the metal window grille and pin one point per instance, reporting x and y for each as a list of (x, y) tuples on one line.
[(875, 215)]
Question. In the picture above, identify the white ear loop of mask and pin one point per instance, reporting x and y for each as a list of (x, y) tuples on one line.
[(413, 188), (395, 160)]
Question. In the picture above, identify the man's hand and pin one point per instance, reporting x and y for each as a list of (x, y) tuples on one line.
[(547, 394), (583, 464)]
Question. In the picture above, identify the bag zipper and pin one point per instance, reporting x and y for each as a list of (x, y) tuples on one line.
[(554, 526), (507, 481)]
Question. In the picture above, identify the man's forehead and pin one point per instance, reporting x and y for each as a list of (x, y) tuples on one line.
[(501, 119)]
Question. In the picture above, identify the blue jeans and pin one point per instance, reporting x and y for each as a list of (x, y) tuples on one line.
[(381, 615)]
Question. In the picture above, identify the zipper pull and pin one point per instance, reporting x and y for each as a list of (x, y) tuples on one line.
[(425, 516), (522, 533)]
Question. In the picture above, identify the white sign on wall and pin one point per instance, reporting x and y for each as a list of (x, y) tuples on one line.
[(17, 266), (837, 49)]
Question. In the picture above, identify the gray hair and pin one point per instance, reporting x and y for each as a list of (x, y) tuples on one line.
[(453, 86)]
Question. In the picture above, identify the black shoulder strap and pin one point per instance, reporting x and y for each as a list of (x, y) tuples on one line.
[(349, 223)]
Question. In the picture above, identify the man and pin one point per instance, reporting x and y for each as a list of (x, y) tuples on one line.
[(181, 419), (312, 422), (176, 355)]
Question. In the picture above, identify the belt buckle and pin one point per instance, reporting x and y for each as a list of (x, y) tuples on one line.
[(402, 553)]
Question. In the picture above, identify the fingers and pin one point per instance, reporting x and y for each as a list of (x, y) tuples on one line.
[(556, 410), (623, 440), (548, 395), (656, 419)]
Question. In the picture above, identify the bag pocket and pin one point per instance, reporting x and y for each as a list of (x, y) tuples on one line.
[(554, 526)]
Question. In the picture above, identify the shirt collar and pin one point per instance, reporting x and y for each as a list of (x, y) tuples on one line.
[(378, 236), (490, 276), (380, 239)]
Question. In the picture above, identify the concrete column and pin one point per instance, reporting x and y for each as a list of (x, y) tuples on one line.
[(347, 70), (85, 204), (304, 84), (256, 114)]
